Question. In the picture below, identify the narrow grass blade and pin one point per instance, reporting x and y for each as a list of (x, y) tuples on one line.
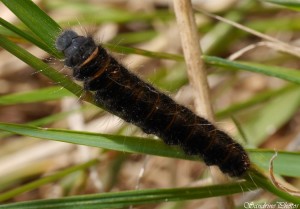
[(146, 53), (114, 142), (27, 37), (89, 14), (288, 74), (264, 182), (40, 95), (35, 19), (292, 4), (141, 145), (136, 197), (271, 116), (45, 180), (257, 99), (42, 67), (262, 158), (46, 120)]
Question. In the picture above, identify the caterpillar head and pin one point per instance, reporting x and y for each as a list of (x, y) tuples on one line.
[(75, 48)]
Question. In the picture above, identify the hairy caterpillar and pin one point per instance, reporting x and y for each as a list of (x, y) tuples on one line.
[(135, 101)]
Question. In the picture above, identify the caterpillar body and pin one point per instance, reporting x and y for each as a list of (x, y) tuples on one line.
[(124, 94)]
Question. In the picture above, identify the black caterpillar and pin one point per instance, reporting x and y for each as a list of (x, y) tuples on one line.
[(135, 101)]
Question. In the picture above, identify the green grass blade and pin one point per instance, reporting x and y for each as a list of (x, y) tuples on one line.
[(257, 99), (136, 197), (8, 33), (46, 120), (27, 37), (43, 68), (55, 117), (45, 180), (134, 37), (89, 14), (23, 174), (114, 142), (222, 31), (141, 145), (146, 53), (35, 19), (273, 24), (271, 116), (262, 158), (40, 95), (264, 182), (292, 4), (170, 80), (288, 74)]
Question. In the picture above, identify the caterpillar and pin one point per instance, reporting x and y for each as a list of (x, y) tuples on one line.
[(125, 95)]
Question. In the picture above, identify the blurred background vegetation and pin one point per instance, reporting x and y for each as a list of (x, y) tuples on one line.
[(261, 93)]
